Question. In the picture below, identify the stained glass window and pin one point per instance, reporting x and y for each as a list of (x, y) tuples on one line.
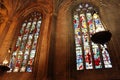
[(24, 51), (86, 21)]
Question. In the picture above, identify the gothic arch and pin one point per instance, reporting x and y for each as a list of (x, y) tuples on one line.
[(40, 7)]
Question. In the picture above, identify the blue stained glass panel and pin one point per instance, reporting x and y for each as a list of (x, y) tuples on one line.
[(29, 69)]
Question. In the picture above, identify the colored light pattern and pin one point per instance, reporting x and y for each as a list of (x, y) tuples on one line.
[(88, 54), (25, 49)]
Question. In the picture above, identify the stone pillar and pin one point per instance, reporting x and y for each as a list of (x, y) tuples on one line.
[(4, 40), (5, 31), (51, 59), (41, 61), (62, 47)]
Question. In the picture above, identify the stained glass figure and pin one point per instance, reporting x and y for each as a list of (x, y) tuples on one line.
[(88, 54)]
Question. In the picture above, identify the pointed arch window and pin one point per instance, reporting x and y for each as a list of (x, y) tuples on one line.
[(89, 55), (24, 51)]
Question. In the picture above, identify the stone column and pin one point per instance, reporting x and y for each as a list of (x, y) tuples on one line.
[(51, 55), (41, 61)]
